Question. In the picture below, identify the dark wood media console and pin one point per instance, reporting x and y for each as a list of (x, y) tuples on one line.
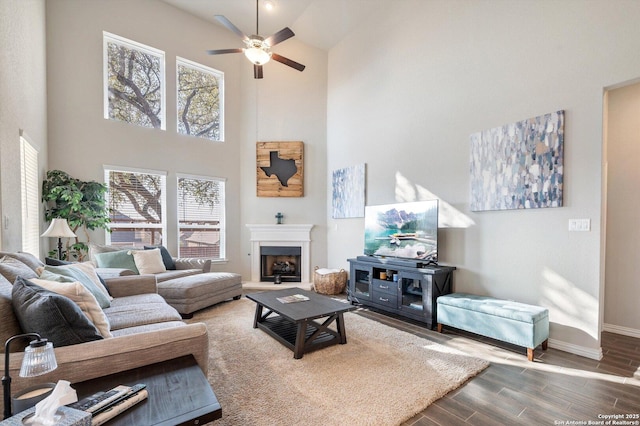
[(407, 288)]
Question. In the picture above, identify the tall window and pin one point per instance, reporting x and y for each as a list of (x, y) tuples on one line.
[(134, 82), (200, 100), (29, 185), (137, 200), (201, 214)]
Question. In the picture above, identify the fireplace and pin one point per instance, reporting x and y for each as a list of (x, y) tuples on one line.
[(285, 243), (280, 264)]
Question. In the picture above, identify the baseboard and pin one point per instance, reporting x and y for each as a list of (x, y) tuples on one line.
[(626, 331), (576, 349)]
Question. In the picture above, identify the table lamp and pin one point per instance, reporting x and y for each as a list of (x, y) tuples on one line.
[(59, 228), (39, 359)]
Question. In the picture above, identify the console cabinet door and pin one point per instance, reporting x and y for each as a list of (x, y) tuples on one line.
[(415, 294), (360, 282)]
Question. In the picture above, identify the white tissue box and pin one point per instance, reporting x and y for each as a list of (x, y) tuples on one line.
[(71, 417)]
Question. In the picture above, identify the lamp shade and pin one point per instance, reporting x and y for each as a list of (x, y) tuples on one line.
[(59, 228), (38, 359)]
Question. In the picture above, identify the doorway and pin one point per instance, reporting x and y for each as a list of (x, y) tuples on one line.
[(622, 202)]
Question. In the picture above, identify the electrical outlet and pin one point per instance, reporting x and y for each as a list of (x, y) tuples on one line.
[(579, 225)]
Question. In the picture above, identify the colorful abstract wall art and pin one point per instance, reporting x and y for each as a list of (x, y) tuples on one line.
[(519, 165), (348, 192)]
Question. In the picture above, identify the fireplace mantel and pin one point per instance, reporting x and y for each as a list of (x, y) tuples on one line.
[(284, 235)]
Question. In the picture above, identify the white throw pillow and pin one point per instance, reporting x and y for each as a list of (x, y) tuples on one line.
[(148, 261), (81, 297)]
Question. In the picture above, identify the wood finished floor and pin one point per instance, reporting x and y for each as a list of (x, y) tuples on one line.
[(558, 388)]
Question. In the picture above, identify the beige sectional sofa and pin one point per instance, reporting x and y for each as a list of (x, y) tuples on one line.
[(145, 329), (189, 287)]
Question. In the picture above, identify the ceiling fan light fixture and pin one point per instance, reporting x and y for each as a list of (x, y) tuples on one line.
[(257, 51)]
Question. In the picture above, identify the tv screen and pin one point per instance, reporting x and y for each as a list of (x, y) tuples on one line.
[(406, 230)]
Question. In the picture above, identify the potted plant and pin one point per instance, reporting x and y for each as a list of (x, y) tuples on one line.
[(82, 203)]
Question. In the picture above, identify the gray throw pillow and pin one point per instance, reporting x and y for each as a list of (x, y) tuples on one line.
[(10, 268), (27, 258), (51, 315)]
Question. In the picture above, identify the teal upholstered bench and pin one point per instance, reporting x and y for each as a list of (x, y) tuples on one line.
[(505, 320)]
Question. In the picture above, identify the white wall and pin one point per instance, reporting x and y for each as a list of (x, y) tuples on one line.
[(623, 203), (23, 105), (82, 141), (408, 88), (287, 105)]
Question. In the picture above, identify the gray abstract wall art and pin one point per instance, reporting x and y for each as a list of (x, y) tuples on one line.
[(518, 165)]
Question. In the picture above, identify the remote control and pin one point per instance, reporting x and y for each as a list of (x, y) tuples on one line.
[(132, 391), (100, 399), (118, 408)]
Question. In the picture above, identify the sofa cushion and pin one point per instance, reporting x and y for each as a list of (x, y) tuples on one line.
[(122, 259), (51, 315), (83, 298), (11, 268), (137, 310), (148, 327), (178, 273), (86, 274), (148, 261), (8, 323), (167, 259)]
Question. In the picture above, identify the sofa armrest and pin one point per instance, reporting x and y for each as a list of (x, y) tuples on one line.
[(131, 285), (77, 363), (192, 263)]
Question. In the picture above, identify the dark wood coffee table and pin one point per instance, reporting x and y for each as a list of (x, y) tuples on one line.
[(179, 394), (294, 325)]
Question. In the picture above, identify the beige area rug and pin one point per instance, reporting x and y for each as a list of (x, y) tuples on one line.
[(382, 376)]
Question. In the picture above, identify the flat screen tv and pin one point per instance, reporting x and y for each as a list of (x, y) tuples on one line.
[(404, 230)]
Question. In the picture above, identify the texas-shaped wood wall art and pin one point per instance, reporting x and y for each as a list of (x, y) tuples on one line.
[(279, 171)]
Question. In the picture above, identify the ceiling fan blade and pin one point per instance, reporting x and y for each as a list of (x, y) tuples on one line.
[(227, 23), (257, 71), (222, 51), (287, 61), (279, 37)]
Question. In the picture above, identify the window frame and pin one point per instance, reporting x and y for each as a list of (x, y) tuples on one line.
[(108, 37), (163, 200), (223, 213), (219, 75)]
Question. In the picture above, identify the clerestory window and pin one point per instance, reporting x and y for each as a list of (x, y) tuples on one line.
[(134, 82), (200, 97)]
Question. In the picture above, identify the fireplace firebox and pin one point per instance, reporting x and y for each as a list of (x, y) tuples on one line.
[(280, 264)]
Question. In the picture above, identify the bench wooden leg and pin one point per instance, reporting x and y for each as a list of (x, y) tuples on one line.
[(439, 328), (545, 345), (530, 354)]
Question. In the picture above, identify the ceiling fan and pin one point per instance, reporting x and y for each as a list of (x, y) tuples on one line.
[(258, 49)]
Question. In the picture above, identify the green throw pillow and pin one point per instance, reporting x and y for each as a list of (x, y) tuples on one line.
[(78, 275), (116, 259)]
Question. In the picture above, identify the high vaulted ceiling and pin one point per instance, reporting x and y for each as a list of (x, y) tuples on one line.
[(319, 23)]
